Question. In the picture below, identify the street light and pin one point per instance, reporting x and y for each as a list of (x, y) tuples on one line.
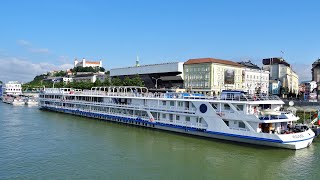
[(156, 81)]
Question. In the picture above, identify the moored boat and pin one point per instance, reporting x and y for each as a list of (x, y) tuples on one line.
[(18, 101), (239, 118), (31, 102)]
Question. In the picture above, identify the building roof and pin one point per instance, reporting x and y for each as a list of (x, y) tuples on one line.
[(316, 63), (249, 64), (212, 60), (275, 60), (92, 62)]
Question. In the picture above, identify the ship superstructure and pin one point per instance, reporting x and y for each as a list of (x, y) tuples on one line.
[(231, 116)]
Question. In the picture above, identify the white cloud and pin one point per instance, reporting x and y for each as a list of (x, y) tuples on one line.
[(39, 50), (23, 70), (22, 42), (29, 47)]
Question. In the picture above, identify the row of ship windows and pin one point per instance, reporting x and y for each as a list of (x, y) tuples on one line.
[(240, 124), (164, 116), (13, 89)]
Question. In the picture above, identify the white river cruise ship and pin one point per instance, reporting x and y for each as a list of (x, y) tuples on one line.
[(231, 116)]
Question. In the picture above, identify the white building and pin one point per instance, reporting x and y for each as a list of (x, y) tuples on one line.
[(89, 77), (85, 63), (281, 70), (67, 80), (310, 86), (12, 88), (255, 81)]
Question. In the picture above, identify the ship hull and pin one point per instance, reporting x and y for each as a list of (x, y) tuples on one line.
[(299, 144)]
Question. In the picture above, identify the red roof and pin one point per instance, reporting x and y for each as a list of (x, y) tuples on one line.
[(92, 62), (212, 60)]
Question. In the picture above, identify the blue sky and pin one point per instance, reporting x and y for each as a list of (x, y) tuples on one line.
[(38, 36)]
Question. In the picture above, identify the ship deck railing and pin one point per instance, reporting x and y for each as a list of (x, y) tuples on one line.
[(145, 118), (132, 106), (282, 116), (243, 97)]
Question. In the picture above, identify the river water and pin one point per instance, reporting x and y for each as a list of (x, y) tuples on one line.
[(37, 144)]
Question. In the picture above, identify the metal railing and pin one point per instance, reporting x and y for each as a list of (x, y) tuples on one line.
[(131, 106), (242, 97)]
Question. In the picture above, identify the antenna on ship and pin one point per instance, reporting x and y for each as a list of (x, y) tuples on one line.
[(137, 61)]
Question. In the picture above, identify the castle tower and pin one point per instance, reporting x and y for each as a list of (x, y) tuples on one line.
[(75, 62)]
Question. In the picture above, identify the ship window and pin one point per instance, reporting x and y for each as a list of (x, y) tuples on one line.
[(187, 118), (227, 122), (240, 107), (177, 117), (242, 125), (171, 103), (164, 116), (171, 117), (214, 106), (180, 103), (164, 103), (226, 107)]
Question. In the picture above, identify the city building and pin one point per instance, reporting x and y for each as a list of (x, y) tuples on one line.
[(92, 77), (254, 79), (162, 77), (302, 87), (58, 79), (12, 88), (274, 87), (281, 70), (211, 76), (85, 63), (316, 71), (310, 87)]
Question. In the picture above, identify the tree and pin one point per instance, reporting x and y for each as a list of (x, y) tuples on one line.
[(101, 69), (137, 81), (127, 81), (106, 81), (98, 83), (0, 82), (116, 81), (60, 74)]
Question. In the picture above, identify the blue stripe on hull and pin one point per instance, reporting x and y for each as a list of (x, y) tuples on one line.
[(97, 115)]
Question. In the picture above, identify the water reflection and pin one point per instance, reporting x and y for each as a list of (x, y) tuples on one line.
[(65, 146)]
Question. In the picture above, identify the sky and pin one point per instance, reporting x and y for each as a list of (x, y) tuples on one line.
[(37, 36)]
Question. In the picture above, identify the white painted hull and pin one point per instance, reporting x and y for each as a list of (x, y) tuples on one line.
[(32, 103), (285, 142), (18, 103)]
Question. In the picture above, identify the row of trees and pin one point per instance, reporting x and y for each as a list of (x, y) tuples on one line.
[(60, 74), (38, 82), (87, 69)]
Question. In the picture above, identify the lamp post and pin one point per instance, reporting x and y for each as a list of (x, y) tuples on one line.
[(156, 81)]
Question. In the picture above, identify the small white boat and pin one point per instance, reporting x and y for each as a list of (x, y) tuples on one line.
[(31, 102), (7, 99), (18, 102)]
